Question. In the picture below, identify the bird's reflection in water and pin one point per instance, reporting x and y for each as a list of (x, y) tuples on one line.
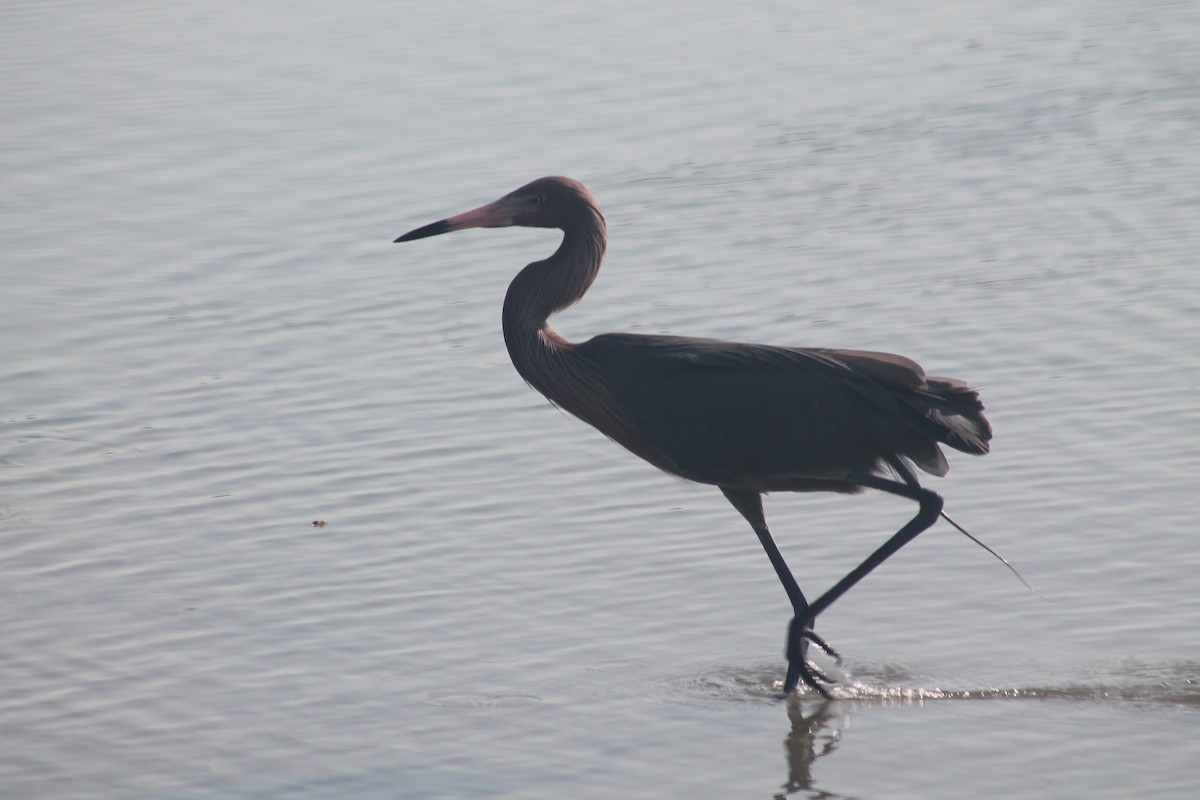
[(815, 733)]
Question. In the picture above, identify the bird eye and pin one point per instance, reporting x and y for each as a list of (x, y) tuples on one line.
[(535, 200)]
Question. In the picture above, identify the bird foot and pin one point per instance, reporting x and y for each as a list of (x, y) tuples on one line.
[(800, 633)]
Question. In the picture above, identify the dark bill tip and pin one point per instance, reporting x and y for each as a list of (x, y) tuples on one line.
[(432, 229)]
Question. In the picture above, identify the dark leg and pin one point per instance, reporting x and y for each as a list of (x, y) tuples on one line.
[(927, 514), (749, 503)]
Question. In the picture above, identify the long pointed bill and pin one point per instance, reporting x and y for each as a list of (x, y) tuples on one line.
[(494, 215)]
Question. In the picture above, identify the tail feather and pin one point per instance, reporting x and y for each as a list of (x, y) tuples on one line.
[(945, 410), (958, 413)]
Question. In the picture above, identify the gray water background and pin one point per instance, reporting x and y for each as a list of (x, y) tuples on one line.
[(208, 342)]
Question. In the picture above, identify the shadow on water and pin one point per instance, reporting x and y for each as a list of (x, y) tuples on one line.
[(1175, 683), (1170, 684), (816, 732), (817, 724)]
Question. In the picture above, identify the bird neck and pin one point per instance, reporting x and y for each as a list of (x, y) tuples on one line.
[(546, 287)]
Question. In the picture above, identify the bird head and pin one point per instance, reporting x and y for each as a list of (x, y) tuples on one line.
[(552, 202)]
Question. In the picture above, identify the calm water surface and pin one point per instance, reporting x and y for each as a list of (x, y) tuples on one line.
[(209, 343)]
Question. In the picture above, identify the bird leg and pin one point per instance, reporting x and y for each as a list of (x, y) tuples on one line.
[(930, 508), (927, 514), (800, 632)]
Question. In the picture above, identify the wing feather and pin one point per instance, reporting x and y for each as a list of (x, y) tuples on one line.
[(777, 417)]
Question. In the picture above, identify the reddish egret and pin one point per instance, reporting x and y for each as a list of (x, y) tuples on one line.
[(746, 418)]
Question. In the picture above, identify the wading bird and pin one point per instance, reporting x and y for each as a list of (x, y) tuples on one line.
[(746, 418)]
